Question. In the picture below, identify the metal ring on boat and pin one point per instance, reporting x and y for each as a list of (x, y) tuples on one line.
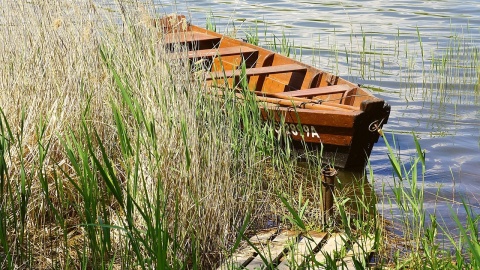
[(376, 125), (373, 126)]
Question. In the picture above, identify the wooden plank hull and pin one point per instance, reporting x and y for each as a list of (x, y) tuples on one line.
[(313, 107), (346, 138)]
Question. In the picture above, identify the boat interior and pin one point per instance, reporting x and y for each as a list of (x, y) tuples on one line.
[(270, 75)]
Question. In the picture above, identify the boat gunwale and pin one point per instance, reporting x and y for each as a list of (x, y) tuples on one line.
[(310, 68)]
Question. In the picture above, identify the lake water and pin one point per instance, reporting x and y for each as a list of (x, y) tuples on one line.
[(420, 56)]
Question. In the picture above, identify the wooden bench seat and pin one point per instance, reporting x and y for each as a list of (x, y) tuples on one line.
[(189, 37), (228, 51), (258, 71), (325, 90)]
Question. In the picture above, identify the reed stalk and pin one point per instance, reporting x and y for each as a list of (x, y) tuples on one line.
[(111, 156)]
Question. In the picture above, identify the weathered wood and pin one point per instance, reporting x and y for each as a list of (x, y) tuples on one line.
[(334, 245), (258, 71), (325, 90), (238, 259), (328, 187), (289, 250), (360, 251), (244, 255), (274, 250), (300, 252)]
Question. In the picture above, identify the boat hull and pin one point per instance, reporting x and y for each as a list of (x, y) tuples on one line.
[(315, 108), (344, 140)]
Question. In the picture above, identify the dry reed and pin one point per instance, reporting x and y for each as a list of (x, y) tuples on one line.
[(112, 156), (58, 94)]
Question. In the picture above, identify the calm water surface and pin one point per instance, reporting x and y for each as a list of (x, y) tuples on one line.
[(420, 56)]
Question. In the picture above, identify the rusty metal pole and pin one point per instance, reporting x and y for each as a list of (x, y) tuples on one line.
[(328, 184)]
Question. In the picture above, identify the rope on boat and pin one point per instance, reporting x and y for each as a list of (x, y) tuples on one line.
[(339, 99)]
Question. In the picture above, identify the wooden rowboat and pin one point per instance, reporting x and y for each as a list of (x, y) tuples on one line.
[(314, 106)]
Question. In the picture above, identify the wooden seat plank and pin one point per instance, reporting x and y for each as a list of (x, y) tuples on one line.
[(188, 37), (228, 51), (258, 71), (325, 90)]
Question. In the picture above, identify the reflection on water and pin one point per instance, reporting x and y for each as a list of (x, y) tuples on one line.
[(421, 56), (354, 184)]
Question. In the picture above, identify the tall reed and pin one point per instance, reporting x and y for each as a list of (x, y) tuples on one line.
[(112, 156)]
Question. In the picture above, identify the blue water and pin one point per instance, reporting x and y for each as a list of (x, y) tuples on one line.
[(420, 56)]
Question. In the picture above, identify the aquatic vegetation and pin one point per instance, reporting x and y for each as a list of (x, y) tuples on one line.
[(111, 157)]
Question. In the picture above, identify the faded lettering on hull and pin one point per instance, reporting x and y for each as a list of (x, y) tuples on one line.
[(291, 129)]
